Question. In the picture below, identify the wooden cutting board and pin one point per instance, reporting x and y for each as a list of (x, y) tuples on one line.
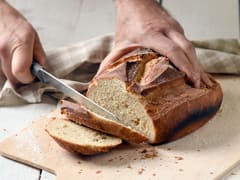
[(208, 153)]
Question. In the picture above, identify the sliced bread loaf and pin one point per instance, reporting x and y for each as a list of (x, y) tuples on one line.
[(80, 139), (148, 94), (150, 97)]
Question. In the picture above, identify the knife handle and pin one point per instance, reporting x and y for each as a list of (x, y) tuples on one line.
[(37, 71)]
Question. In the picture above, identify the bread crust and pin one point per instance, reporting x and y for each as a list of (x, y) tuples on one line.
[(80, 115), (175, 107)]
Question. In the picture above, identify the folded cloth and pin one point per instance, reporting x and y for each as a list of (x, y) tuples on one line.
[(219, 55), (79, 62)]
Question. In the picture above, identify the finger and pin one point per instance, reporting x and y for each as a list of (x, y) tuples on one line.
[(176, 25), (206, 80), (170, 49), (190, 52), (38, 51), (6, 70), (114, 55), (21, 63)]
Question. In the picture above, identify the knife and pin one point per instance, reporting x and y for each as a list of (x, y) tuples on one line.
[(45, 77)]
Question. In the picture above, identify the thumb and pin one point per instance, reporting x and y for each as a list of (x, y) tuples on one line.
[(114, 55)]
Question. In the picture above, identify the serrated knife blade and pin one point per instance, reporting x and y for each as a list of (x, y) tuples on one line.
[(48, 78)]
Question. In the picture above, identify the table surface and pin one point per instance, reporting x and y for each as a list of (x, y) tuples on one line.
[(61, 22)]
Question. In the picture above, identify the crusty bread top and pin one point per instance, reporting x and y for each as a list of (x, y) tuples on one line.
[(142, 69)]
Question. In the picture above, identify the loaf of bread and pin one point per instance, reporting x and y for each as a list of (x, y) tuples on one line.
[(151, 98), (80, 139), (148, 94)]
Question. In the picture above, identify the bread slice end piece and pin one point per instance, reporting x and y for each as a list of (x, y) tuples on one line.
[(79, 139)]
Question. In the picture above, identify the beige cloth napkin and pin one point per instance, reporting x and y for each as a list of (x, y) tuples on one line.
[(79, 62)]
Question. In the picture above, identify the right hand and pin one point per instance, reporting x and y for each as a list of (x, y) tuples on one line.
[(143, 23), (19, 44)]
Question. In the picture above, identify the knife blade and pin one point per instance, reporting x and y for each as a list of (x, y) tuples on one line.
[(46, 77)]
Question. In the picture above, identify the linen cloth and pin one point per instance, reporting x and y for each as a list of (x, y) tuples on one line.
[(79, 62)]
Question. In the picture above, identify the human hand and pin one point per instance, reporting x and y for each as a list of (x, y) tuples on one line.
[(143, 23), (19, 44)]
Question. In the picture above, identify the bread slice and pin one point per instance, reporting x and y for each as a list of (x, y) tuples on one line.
[(80, 139), (148, 94), (81, 115)]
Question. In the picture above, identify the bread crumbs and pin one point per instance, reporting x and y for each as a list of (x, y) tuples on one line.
[(98, 172), (144, 151), (110, 160), (120, 158), (150, 153), (178, 158), (141, 171), (80, 171)]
